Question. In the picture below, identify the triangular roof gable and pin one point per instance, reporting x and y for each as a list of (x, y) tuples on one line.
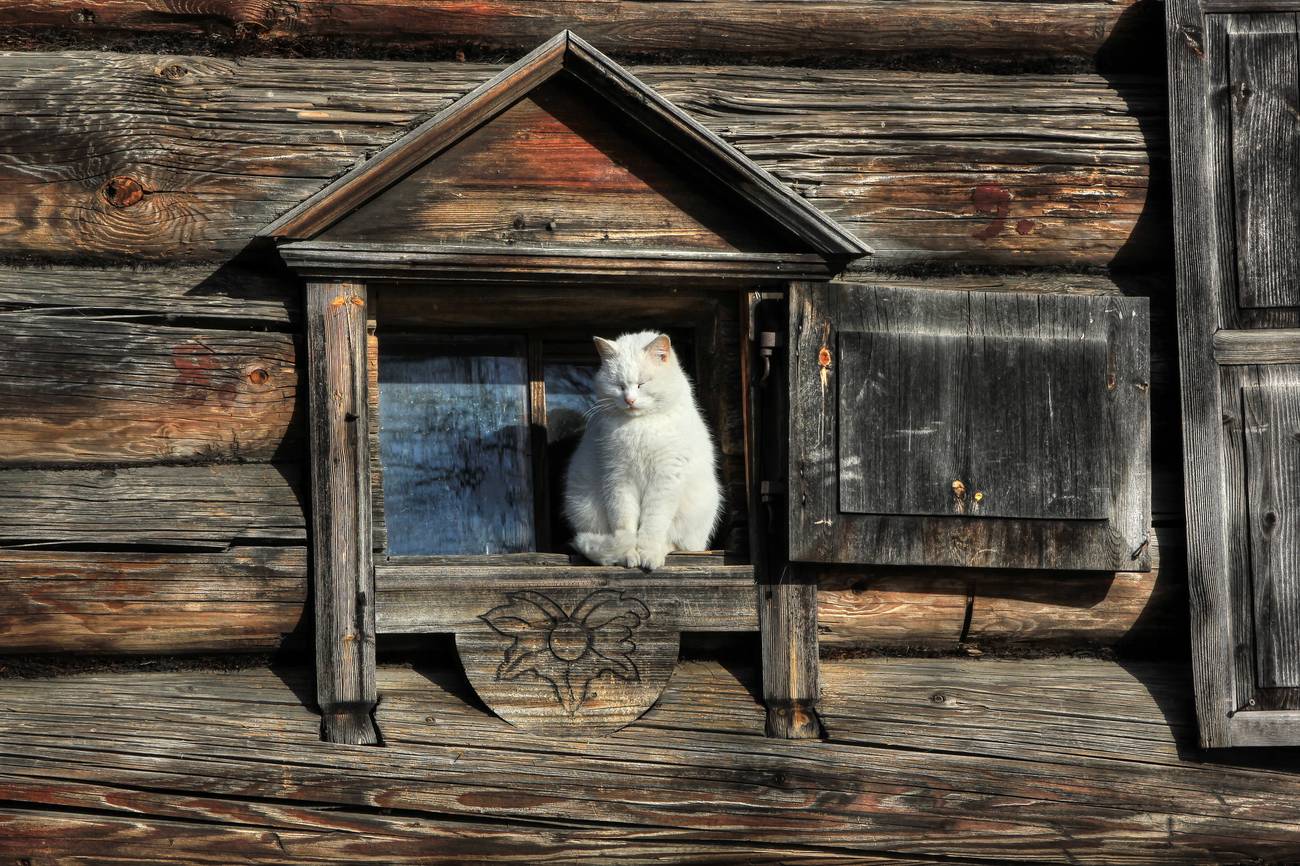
[(651, 113)]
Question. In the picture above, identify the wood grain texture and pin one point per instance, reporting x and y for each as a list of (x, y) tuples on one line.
[(1270, 346), (1265, 82), (1202, 242), (341, 539), (416, 598), (174, 507), (1055, 760), (219, 296), (249, 599), (824, 529), (1271, 417), (925, 166), (1111, 33), (246, 599), (78, 391), (559, 168)]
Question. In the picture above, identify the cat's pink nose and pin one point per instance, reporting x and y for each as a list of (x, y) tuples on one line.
[(631, 401)]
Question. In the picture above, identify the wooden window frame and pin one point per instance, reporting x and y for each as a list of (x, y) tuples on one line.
[(357, 598)]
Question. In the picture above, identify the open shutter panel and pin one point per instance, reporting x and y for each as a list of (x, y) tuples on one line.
[(968, 429), (1236, 144)]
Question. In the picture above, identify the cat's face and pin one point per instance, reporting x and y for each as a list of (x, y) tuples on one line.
[(638, 375)]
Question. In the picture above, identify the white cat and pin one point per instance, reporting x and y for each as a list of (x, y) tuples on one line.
[(643, 481)]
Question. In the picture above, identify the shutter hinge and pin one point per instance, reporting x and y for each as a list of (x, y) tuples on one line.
[(768, 343)]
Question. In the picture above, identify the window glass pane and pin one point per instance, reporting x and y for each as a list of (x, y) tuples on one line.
[(453, 416), (569, 393)]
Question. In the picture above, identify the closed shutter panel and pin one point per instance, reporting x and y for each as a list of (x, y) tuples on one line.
[(1235, 94)]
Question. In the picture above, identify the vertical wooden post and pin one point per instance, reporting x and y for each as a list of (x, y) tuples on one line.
[(787, 593), (340, 508)]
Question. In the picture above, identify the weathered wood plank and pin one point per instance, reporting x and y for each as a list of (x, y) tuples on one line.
[(1263, 346), (198, 507), (1016, 761), (1111, 33), (924, 166), (1265, 80), (249, 599), (828, 527), (446, 598), (79, 391), (221, 296), (1204, 264), (215, 830), (341, 537), (242, 600), (1272, 427)]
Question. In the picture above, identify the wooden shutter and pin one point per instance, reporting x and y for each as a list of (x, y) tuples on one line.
[(968, 428), (1235, 92)]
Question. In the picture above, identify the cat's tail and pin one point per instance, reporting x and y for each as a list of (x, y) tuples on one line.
[(604, 549)]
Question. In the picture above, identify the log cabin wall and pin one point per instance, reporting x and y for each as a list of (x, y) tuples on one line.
[(150, 409)]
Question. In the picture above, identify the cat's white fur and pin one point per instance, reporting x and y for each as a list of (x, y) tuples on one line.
[(643, 481)]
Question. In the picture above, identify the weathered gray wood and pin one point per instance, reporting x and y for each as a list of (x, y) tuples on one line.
[(962, 165), (1265, 346), (1203, 236), (239, 600), (1265, 81), (832, 414), (414, 598), (341, 539), (993, 406), (1208, 56), (196, 507), (1053, 760), (1272, 427), (76, 391), (231, 297), (1114, 34)]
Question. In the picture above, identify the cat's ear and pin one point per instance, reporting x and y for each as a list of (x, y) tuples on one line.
[(659, 348), (607, 349)]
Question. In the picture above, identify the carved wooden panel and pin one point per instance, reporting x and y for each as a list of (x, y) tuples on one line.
[(566, 650)]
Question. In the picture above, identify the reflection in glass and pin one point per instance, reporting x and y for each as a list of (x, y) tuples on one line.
[(569, 393), (453, 422)]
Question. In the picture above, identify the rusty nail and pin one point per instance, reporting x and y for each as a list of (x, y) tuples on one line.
[(979, 497), (824, 357), (259, 376)]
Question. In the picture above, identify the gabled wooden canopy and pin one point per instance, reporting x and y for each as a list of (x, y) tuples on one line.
[(563, 131)]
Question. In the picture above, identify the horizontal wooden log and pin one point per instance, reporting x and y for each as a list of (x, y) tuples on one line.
[(199, 507), (224, 296), (1057, 760), (1112, 33), (189, 156), (1138, 611), (411, 598), (79, 391), (250, 599), (199, 829), (242, 600)]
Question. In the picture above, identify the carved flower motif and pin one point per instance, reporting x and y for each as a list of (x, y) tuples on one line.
[(569, 650)]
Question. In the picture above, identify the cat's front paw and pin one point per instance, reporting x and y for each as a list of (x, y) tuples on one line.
[(652, 554)]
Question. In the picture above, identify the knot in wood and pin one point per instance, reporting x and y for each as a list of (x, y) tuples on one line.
[(939, 698), (83, 17), (259, 376), (122, 191), (173, 71), (518, 222)]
